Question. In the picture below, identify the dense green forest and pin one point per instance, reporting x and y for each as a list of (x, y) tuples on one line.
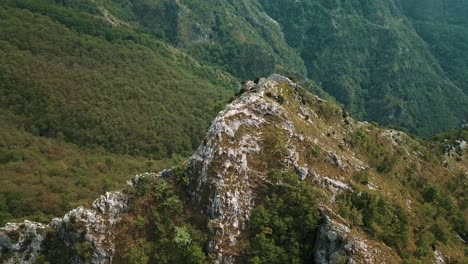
[(400, 63), (444, 26), (82, 80), (85, 105), (43, 178), (368, 55)]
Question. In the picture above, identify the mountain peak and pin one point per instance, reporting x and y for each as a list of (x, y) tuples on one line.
[(336, 179), (271, 127)]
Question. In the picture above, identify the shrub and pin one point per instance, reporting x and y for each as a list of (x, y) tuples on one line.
[(431, 194), (361, 177), (283, 227), (380, 218), (182, 236), (84, 251), (136, 255), (140, 221), (441, 229), (195, 255)]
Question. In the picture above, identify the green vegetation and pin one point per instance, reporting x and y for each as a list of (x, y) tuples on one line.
[(435, 219), (225, 33), (42, 177), (275, 148), (444, 26), (95, 91), (383, 220), (57, 252), (126, 92), (170, 232), (451, 137), (361, 177), (86, 105), (97, 74), (379, 156), (283, 226), (370, 59), (137, 254), (388, 221), (438, 217), (397, 62), (160, 228)]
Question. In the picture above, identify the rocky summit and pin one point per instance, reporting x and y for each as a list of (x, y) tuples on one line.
[(282, 176)]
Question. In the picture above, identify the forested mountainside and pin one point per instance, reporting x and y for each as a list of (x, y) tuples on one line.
[(283, 176), (400, 63), (85, 104), (444, 26), (74, 76)]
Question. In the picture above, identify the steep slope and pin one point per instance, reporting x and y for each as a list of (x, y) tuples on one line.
[(78, 93), (237, 35), (444, 26), (73, 75), (371, 58), (400, 63), (282, 176)]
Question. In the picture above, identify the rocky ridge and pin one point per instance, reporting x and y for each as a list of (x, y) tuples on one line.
[(274, 125), (24, 242), (228, 169)]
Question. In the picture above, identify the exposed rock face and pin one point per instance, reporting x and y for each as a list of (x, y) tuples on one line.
[(93, 226), (224, 178), (23, 242), (439, 259), (462, 145), (336, 243)]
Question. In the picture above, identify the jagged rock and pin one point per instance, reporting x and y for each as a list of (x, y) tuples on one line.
[(302, 172), (229, 189), (23, 243), (461, 145), (394, 136), (225, 172), (335, 242), (113, 204), (332, 158)]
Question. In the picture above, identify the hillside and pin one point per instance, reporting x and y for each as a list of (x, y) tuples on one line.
[(282, 176), (73, 75), (43, 178), (141, 80), (400, 63), (87, 102), (444, 26)]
